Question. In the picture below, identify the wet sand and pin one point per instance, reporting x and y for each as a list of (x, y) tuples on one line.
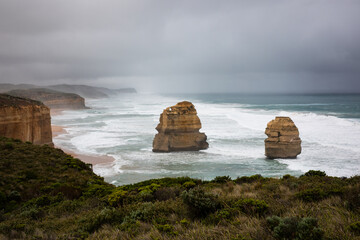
[(58, 130), (91, 159), (57, 111)]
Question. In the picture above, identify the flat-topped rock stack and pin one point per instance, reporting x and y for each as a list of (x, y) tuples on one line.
[(179, 130), (283, 139)]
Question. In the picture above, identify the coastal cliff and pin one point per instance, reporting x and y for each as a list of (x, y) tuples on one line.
[(25, 119), (90, 91), (52, 99), (179, 130), (82, 90), (283, 139)]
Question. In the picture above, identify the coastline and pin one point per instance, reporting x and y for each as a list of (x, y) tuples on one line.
[(55, 112), (59, 130)]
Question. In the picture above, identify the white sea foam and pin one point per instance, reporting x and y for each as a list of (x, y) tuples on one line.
[(124, 128)]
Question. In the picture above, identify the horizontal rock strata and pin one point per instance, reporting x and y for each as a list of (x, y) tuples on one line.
[(283, 139), (52, 99), (25, 119), (179, 130)]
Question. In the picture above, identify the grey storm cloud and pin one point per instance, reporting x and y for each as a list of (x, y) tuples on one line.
[(168, 45)]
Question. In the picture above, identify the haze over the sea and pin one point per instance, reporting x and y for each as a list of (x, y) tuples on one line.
[(184, 46)]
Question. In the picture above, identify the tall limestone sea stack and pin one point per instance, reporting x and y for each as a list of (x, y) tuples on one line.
[(25, 119), (179, 130), (283, 139)]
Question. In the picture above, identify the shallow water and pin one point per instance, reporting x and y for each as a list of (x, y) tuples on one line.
[(124, 127)]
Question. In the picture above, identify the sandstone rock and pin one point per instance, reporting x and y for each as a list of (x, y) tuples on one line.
[(283, 139), (25, 119), (52, 99), (179, 130)]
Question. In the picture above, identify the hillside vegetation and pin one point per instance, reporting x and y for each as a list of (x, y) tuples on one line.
[(47, 194)]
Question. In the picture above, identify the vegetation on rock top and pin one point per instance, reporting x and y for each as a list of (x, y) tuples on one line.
[(13, 101)]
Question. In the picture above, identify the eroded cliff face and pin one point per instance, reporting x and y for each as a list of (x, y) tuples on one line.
[(283, 139), (25, 119), (179, 130), (52, 99), (66, 103)]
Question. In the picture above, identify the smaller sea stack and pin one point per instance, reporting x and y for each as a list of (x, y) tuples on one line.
[(179, 130), (283, 139)]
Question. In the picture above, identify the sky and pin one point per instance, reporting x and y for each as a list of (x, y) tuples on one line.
[(285, 46)]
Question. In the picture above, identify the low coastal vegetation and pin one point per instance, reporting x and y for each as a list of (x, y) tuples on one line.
[(47, 194)]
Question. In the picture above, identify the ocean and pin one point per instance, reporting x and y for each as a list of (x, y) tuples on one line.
[(124, 127)]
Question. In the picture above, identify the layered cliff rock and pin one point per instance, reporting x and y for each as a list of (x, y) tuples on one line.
[(25, 119), (283, 139), (179, 130), (51, 98)]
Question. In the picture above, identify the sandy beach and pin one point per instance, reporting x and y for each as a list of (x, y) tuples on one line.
[(54, 112), (58, 130)]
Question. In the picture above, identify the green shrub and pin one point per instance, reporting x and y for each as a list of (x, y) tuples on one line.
[(250, 179), (33, 213), (144, 212), (313, 173), (166, 193), (189, 184), (30, 174), (117, 198), (43, 201), (14, 196), (105, 216), (199, 202), (313, 194), (68, 206), (9, 146), (76, 163), (163, 182), (225, 214), (287, 176), (3, 200), (273, 222), (185, 223), (252, 206), (355, 228), (145, 196), (98, 190), (352, 198), (287, 228), (131, 227), (166, 228), (308, 229), (150, 188), (221, 179), (68, 190), (295, 228)]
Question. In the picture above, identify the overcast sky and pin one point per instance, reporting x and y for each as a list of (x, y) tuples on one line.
[(183, 46)]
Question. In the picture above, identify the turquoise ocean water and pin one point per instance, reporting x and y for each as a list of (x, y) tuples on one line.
[(124, 127)]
